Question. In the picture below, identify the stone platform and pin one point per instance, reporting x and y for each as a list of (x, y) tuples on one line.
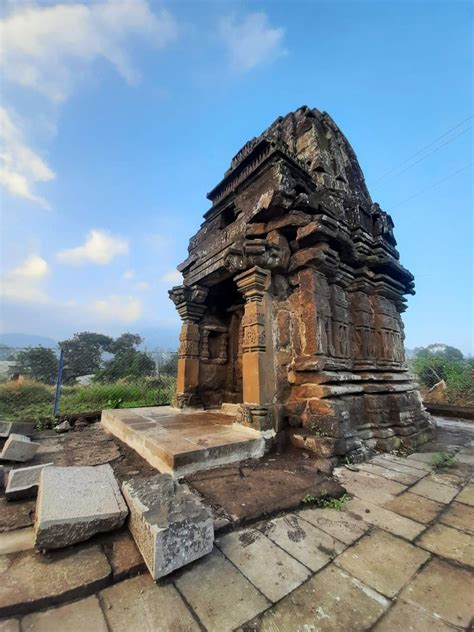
[(183, 442)]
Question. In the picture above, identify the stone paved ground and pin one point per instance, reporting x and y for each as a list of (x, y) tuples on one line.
[(398, 557)]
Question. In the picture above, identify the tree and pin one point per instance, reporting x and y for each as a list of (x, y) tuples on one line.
[(127, 362), (83, 354), (39, 363), (126, 342)]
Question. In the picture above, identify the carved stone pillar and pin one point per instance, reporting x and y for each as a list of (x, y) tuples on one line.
[(254, 284), (189, 303)]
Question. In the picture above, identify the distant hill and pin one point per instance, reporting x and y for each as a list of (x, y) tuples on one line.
[(19, 341), (160, 339)]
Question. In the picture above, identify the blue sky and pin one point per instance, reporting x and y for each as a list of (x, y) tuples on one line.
[(117, 118)]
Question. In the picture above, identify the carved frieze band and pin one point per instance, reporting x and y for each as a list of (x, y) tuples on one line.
[(253, 284)]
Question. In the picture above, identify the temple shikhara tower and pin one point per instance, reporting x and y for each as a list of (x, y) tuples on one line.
[(292, 298)]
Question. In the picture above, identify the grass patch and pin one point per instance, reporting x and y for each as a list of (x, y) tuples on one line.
[(326, 502), (442, 460), (32, 401)]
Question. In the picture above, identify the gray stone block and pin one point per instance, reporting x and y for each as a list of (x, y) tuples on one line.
[(169, 524), (17, 427), (19, 448), (75, 503), (2, 477), (23, 482)]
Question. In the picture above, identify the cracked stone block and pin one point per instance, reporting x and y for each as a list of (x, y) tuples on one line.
[(169, 524), (17, 427), (23, 482), (75, 503), (19, 448)]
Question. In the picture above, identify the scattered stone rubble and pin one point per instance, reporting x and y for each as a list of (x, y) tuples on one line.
[(17, 427), (19, 448), (75, 503), (169, 524), (24, 481)]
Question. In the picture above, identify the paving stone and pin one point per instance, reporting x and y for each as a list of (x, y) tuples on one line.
[(16, 541), (19, 448), (308, 544), (16, 427), (123, 555), (31, 581), (424, 457), (84, 615), (340, 524), (382, 561), (405, 617), (464, 457), (415, 507), (401, 464), (23, 482), (74, 503), (466, 496), (141, 605), (456, 477), (434, 491), (459, 516), (15, 515), (10, 625), (448, 542), (170, 525), (444, 590), (269, 568), (367, 486), (393, 475), (385, 519), (320, 605), (219, 594)]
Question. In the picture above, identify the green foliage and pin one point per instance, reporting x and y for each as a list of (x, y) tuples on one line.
[(442, 362), (83, 354), (443, 460), (170, 366), (38, 363), (127, 363), (326, 502)]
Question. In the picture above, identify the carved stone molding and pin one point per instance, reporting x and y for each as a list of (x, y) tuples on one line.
[(189, 301), (253, 284)]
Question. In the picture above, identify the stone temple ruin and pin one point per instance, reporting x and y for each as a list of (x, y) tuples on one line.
[(292, 299)]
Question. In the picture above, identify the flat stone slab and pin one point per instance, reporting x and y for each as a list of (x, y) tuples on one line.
[(448, 542), (170, 524), (84, 615), (371, 487), (415, 507), (32, 581), (16, 541), (332, 600), (16, 515), (459, 516), (466, 495), (23, 482), (340, 524), (221, 596), (182, 442), (435, 491), (445, 590), (405, 617), (140, 604), (382, 561), (19, 448), (75, 503), (268, 567), (123, 555), (393, 475), (385, 519), (17, 427), (10, 625)]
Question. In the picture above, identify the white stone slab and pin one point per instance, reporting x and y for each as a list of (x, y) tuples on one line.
[(19, 448), (169, 524), (23, 482), (74, 503), (17, 427)]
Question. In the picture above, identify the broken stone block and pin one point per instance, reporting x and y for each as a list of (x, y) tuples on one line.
[(169, 524), (74, 503), (65, 426), (23, 482), (17, 427), (19, 448)]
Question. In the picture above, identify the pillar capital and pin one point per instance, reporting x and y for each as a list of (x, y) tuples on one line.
[(189, 301), (253, 284)]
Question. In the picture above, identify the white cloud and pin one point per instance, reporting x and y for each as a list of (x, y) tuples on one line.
[(43, 47), (251, 41), (25, 283), (142, 285), (172, 276), (118, 308), (100, 248), (20, 166), (128, 275)]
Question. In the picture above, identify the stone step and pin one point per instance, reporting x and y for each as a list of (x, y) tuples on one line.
[(183, 442)]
